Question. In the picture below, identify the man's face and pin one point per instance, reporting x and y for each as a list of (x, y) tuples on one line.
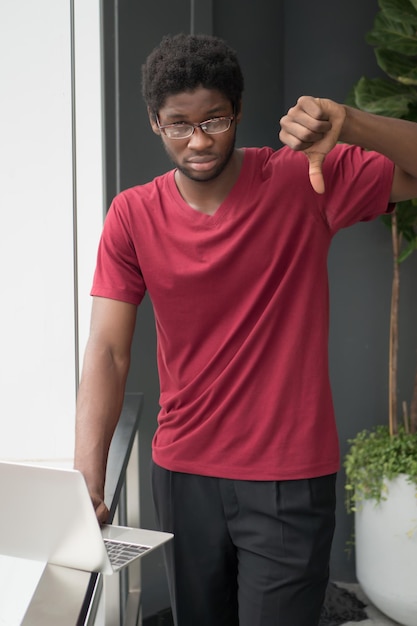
[(200, 157)]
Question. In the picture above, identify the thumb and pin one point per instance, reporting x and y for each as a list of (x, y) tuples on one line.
[(316, 154), (315, 160)]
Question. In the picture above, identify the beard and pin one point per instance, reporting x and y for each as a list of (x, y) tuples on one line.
[(203, 177)]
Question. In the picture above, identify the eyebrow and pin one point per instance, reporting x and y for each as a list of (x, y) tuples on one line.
[(217, 111)]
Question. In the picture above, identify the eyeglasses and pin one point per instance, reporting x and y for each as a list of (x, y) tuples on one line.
[(183, 130)]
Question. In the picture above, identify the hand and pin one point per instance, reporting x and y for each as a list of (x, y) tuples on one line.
[(313, 126), (102, 512), (96, 491)]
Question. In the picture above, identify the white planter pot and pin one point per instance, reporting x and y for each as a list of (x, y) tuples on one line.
[(386, 551)]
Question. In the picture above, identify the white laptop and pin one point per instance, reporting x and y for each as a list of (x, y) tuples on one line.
[(47, 515)]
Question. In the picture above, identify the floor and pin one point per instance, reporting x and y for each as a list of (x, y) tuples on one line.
[(376, 618)]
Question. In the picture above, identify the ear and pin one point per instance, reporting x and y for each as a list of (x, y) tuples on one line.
[(153, 123)]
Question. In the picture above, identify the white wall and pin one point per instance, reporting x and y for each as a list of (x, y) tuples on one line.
[(51, 216)]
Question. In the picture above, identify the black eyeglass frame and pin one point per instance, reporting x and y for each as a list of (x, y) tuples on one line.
[(193, 126)]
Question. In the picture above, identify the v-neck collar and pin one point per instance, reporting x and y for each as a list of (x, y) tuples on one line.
[(225, 210)]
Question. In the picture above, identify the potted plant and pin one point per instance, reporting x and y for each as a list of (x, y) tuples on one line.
[(381, 465)]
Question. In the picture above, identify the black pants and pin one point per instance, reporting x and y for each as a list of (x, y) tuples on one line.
[(247, 553)]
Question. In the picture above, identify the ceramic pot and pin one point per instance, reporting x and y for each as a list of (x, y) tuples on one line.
[(386, 551)]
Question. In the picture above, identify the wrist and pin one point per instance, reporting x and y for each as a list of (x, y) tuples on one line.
[(350, 126)]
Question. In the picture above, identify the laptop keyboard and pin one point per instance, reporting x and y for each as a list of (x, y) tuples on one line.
[(121, 553)]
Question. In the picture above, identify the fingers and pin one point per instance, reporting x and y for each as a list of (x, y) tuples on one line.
[(102, 513), (101, 510), (305, 124), (313, 125)]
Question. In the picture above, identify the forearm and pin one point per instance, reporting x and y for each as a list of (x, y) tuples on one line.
[(395, 138), (315, 125), (99, 404)]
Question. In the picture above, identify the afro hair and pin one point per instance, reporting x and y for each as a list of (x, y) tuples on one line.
[(185, 62)]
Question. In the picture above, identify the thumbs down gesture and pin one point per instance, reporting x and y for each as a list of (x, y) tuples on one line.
[(313, 126)]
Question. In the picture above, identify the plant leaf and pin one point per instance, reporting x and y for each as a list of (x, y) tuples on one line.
[(374, 456), (407, 251), (387, 220), (398, 66), (382, 97), (406, 224), (351, 99), (398, 36), (400, 10), (407, 213)]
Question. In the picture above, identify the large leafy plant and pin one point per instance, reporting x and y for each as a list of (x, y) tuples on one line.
[(385, 452)]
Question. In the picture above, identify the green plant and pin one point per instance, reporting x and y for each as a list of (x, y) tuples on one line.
[(392, 450), (375, 456)]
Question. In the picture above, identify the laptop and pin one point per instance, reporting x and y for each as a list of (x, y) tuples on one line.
[(47, 515)]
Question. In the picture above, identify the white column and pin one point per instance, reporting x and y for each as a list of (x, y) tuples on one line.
[(51, 216)]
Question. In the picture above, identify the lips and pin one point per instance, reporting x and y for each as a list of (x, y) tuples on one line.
[(201, 163), (201, 159)]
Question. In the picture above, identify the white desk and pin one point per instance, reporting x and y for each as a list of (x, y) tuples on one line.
[(36, 594)]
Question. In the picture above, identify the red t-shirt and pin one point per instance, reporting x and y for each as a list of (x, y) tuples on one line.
[(242, 309)]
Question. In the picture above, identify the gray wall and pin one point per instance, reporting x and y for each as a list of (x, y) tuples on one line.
[(287, 48)]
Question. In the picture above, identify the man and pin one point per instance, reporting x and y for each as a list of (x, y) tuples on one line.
[(232, 247)]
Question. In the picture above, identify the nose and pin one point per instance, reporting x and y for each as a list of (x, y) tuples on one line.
[(199, 138)]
